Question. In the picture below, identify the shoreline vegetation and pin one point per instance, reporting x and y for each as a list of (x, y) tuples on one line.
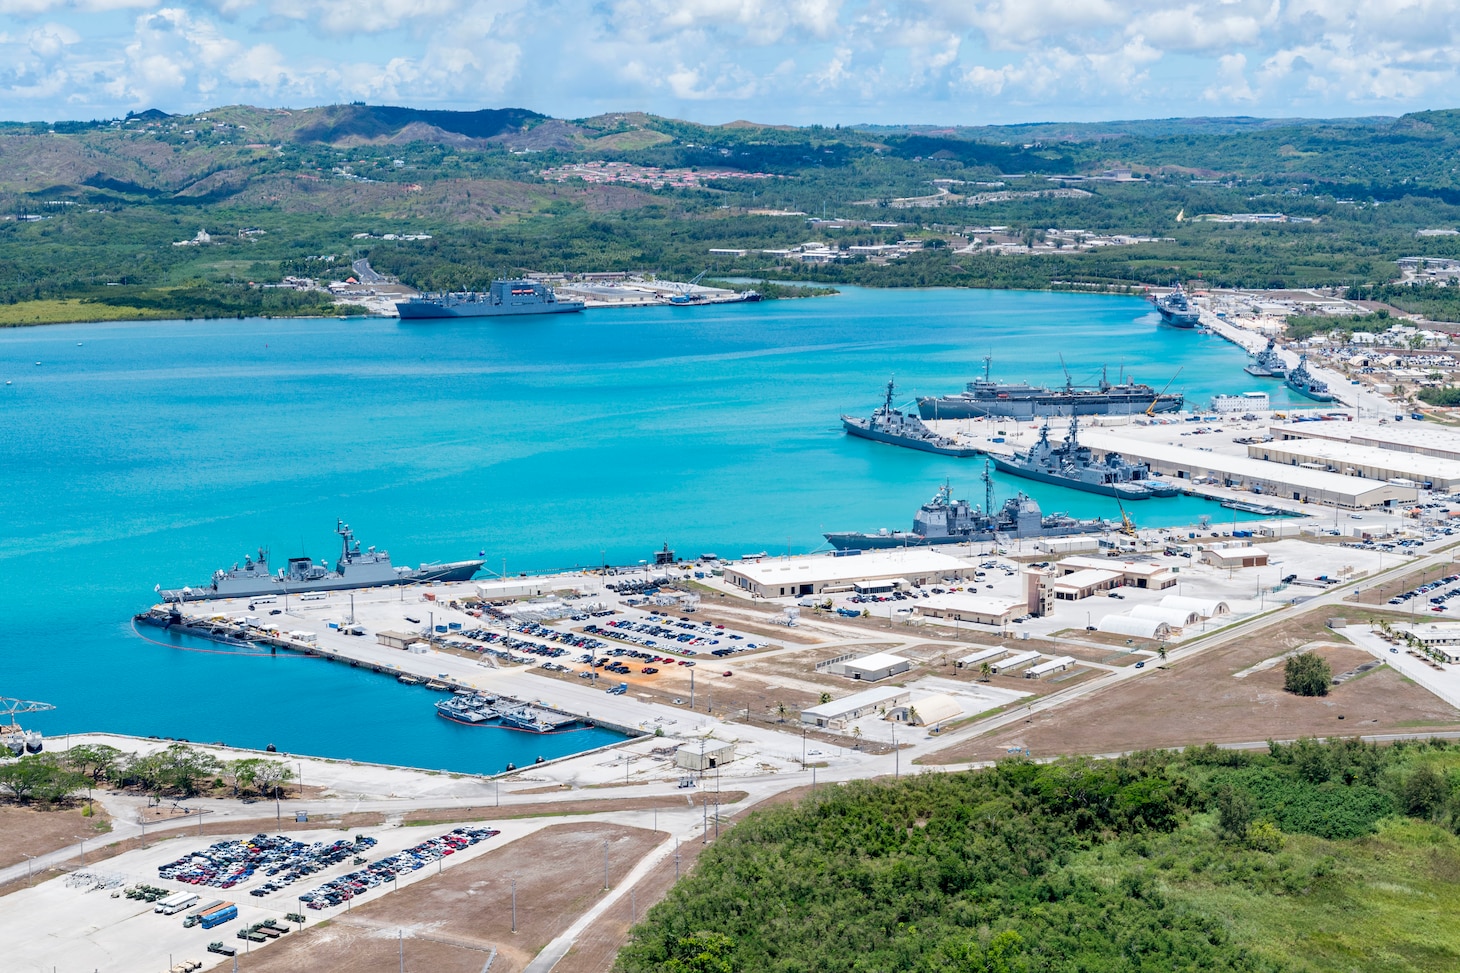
[(448, 201)]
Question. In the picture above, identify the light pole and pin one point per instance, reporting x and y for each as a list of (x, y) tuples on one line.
[(605, 864), (30, 862), (514, 905), (803, 753), (896, 757)]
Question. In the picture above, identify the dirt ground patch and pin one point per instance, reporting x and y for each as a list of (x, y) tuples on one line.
[(36, 831), (1200, 701), (458, 815), (1380, 594), (452, 921)]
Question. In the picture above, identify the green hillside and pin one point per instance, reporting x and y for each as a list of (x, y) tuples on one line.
[(1337, 857)]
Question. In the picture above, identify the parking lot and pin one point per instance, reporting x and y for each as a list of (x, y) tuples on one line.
[(77, 925)]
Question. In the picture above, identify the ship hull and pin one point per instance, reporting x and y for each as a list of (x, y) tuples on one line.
[(967, 407), (861, 432), (847, 541), (1104, 489), (1262, 372), (455, 571), (1178, 319), (1310, 394), (429, 311)]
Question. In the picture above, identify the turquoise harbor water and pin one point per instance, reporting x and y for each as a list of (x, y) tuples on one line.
[(150, 453)]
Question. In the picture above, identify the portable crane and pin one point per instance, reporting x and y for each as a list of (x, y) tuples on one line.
[(685, 295), (11, 733), (1151, 409)]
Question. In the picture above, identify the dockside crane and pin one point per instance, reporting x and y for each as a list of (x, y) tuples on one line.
[(686, 295), (1151, 409)]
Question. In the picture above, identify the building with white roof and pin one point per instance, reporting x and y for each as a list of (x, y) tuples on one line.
[(1084, 583), (796, 576), (1174, 617), (1205, 607), (974, 659), (1259, 476), (1141, 628), (1424, 438), (979, 609), (928, 711), (1234, 556), (1357, 459), (1136, 574), (839, 712), (878, 665)]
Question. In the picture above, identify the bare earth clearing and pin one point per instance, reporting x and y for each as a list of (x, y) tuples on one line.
[(452, 921), (1200, 701)]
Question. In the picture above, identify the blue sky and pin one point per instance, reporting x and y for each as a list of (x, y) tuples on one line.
[(778, 61)]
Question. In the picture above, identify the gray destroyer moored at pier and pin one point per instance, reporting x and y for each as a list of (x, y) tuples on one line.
[(896, 428), (354, 569), (1075, 466)]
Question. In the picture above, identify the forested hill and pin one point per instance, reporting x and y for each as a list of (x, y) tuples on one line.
[(304, 192), (1313, 857)]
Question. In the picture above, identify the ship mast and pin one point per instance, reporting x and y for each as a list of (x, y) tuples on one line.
[(988, 490), (887, 402)]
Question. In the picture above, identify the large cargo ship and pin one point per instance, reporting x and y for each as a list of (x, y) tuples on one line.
[(505, 298), (1075, 466), (1019, 400), (889, 425), (355, 569), (1305, 383), (943, 520), (1176, 310)]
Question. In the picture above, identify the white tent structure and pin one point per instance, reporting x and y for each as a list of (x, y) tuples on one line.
[(1141, 628), (929, 711), (1205, 607), (1175, 617)]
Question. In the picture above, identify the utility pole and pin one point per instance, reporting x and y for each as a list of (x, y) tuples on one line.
[(514, 905), (605, 864), (400, 936)]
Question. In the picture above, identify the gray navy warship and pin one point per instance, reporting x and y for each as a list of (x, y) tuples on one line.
[(1072, 465), (1176, 310), (355, 569), (889, 425), (943, 520), (1268, 363), (505, 298), (1019, 400)]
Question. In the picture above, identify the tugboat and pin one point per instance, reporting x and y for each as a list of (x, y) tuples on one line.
[(354, 569), (943, 520), (1075, 466), (889, 425), (1305, 383), (1268, 363), (1176, 310)]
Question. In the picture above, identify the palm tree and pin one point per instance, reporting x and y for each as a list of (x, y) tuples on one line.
[(985, 672), (857, 735), (781, 711), (912, 715)]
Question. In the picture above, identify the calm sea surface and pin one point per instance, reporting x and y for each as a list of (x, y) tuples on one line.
[(151, 453)]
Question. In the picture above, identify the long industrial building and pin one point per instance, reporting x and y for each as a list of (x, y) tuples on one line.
[(786, 577), (1246, 473), (1354, 459), (1426, 439)]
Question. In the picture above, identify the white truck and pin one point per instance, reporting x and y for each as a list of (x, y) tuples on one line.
[(176, 903)]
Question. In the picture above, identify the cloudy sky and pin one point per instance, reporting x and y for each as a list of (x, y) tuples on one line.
[(792, 61)]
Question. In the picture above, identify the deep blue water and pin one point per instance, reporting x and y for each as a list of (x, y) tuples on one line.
[(150, 453)]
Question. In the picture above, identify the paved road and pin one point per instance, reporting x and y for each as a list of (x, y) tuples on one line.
[(365, 275)]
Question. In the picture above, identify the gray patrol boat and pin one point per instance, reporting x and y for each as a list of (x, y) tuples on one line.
[(504, 299), (1268, 363), (355, 569)]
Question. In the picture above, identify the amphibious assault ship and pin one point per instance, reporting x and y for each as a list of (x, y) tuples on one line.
[(1019, 400), (1307, 384), (943, 520), (1268, 363), (1075, 466), (355, 569), (889, 425), (1176, 310), (505, 298)]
